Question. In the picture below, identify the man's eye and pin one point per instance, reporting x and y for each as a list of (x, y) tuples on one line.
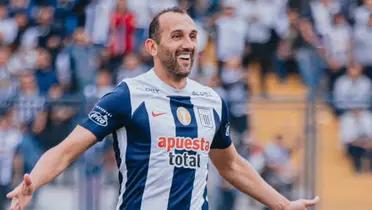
[(176, 36)]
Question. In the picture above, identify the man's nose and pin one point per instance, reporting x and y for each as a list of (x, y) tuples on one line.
[(188, 44)]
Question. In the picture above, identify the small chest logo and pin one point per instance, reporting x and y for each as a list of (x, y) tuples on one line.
[(98, 118), (205, 116), (183, 116)]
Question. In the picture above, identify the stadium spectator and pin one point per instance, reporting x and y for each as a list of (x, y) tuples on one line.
[(309, 55), (61, 111), (79, 62), (7, 83), (362, 13), (22, 22), (8, 26), (337, 44), (122, 31), (352, 91), (279, 170), (102, 86), (97, 20), (285, 53), (234, 81), (130, 67), (362, 46), (229, 26), (261, 36), (141, 11), (321, 13), (45, 74), (10, 160), (38, 35), (356, 136), (159, 5)]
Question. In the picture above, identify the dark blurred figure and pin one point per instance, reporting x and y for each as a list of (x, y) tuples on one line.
[(263, 35), (356, 136), (38, 35), (45, 74), (61, 112), (23, 23), (234, 81)]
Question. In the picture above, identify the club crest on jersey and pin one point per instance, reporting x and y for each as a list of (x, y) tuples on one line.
[(205, 116), (183, 116), (98, 118)]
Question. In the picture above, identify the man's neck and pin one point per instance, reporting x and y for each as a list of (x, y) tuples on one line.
[(177, 83)]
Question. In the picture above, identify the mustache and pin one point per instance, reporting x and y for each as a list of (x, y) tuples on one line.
[(185, 50)]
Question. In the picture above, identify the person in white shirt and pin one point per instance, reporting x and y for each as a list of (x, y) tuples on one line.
[(353, 90), (10, 139), (356, 136), (362, 46), (337, 45), (362, 13)]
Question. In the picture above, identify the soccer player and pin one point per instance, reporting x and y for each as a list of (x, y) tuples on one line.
[(166, 127)]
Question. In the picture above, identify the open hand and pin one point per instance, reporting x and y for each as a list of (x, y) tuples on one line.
[(302, 204), (22, 194)]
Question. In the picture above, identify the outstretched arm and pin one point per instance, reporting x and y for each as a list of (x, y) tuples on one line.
[(241, 175), (50, 165)]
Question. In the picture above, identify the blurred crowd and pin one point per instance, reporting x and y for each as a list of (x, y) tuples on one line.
[(58, 57)]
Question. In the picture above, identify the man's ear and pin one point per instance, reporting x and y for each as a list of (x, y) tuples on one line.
[(151, 47)]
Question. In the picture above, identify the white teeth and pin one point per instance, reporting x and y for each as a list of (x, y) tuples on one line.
[(184, 56)]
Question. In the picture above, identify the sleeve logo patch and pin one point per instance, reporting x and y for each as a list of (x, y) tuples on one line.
[(227, 129), (98, 118)]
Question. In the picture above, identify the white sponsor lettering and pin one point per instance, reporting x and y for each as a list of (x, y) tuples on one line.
[(98, 118)]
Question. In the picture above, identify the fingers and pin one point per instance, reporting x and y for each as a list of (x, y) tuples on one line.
[(312, 202), (14, 205), (27, 185), (11, 194), (27, 179)]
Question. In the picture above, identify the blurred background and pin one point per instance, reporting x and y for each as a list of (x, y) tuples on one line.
[(296, 75)]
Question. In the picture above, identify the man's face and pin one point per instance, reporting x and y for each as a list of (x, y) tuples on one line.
[(178, 41)]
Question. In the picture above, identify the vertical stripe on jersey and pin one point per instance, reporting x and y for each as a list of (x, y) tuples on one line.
[(160, 173), (117, 157), (137, 159), (120, 146), (183, 178), (205, 197)]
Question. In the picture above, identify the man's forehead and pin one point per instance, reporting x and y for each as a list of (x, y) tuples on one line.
[(176, 21)]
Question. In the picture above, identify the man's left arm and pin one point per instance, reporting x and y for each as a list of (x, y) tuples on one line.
[(242, 175)]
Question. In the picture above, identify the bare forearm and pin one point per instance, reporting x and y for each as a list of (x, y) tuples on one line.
[(49, 166), (247, 180)]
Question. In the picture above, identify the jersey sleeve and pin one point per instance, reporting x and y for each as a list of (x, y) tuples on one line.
[(222, 137), (112, 112)]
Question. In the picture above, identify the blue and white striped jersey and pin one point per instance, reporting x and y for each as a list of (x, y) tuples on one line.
[(162, 140)]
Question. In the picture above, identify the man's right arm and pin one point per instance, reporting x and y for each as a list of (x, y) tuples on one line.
[(51, 164)]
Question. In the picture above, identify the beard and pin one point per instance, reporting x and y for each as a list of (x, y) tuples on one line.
[(172, 65)]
